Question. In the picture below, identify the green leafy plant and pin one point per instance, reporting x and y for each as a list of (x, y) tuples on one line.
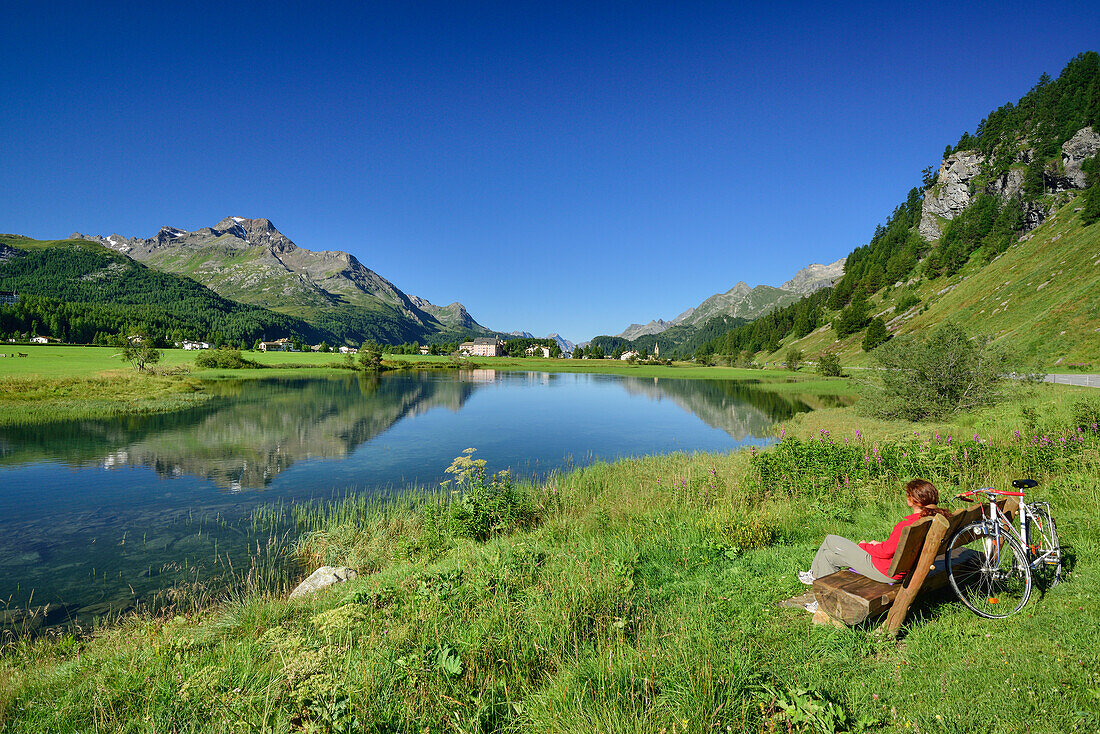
[(804, 710), (485, 506), (448, 661)]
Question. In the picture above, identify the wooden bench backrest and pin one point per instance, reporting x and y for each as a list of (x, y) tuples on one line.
[(912, 538), (909, 545)]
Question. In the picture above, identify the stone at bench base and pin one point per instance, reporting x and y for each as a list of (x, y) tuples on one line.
[(821, 618)]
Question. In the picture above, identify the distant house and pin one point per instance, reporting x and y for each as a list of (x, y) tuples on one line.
[(545, 351), (629, 355), (9, 298), (425, 350), (348, 350), (40, 340), (279, 345), (189, 345), (483, 347)]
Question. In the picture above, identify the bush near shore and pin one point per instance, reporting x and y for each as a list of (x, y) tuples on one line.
[(638, 596)]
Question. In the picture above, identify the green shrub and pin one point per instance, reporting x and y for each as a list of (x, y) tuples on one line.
[(224, 359), (906, 300), (750, 533), (1086, 414), (828, 364), (794, 357), (486, 506), (929, 378)]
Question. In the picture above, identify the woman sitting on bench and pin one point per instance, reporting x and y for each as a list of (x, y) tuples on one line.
[(873, 559)]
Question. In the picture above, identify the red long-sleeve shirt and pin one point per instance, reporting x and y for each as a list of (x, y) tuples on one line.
[(882, 554)]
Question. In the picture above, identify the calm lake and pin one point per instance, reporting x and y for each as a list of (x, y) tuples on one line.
[(96, 516)]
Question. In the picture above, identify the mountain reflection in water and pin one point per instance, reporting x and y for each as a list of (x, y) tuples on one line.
[(255, 429), (252, 431)]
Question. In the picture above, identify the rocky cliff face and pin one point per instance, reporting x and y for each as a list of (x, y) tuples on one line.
[(1083, 145), (951, 192), (564, 344), (453, 316), (960, 174)]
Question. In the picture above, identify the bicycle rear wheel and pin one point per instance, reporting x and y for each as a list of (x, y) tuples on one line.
[(989, 571), (1042, 540)]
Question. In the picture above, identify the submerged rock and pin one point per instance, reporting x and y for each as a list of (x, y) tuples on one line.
[(323, 577)]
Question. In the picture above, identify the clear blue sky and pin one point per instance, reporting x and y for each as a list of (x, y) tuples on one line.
[(555, 166)]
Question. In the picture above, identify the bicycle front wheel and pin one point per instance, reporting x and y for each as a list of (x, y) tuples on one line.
[(1042, 539), (988, 570)]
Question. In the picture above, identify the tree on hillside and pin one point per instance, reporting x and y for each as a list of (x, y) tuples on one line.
[(853, 317), (876, 334), (794, 357), (1091, 212), (828, 364)]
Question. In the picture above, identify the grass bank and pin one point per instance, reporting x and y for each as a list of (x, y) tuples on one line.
[(638, 596)]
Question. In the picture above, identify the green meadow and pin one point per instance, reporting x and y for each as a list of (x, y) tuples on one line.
[(638, 596)]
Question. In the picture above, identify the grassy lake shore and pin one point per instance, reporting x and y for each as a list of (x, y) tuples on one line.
[(638, 596), (77, 382)]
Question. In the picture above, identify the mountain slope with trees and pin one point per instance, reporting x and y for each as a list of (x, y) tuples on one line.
[(1009, 215), (83, 292)]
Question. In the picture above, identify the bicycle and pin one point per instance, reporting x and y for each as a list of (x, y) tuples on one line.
[(990, 564)]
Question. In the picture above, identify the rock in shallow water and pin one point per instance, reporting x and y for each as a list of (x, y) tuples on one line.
[(322, 577)]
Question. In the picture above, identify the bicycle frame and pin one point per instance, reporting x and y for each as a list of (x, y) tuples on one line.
[(1000, 522)]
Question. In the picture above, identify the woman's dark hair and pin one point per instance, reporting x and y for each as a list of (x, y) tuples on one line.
[(926, 496)]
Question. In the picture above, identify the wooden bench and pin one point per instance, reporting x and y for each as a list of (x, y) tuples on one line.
[(850, 598)]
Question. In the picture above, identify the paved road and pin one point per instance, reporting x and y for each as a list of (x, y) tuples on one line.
[(1082, 380)]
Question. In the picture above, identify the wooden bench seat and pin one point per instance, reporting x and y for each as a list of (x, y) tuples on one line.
[(850, 598)]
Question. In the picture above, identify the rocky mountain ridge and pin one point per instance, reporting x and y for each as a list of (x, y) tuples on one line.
[(744, 301), (814, 277), (565, 345), (251, 261)]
